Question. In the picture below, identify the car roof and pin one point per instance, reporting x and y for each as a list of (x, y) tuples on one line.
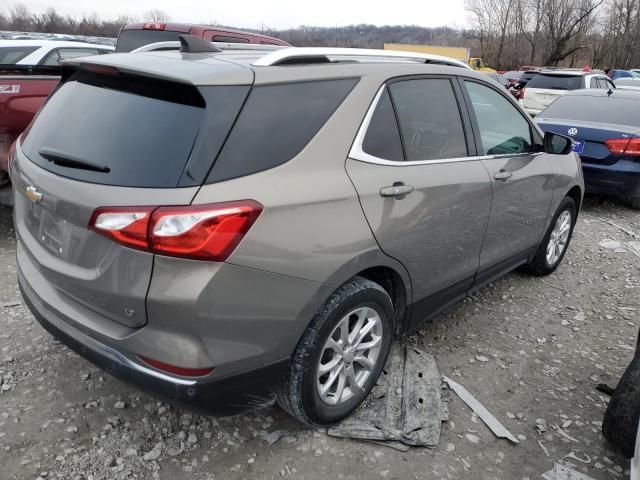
[(601, 92), (186, 27), (51, 43), (237, 67), (564, 73)]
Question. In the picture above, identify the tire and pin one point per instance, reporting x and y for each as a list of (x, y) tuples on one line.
[(635, 203), (620, 424), (540, 264), (300, 392)]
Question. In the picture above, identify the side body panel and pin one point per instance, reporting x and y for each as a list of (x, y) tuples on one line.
[(520, 206)]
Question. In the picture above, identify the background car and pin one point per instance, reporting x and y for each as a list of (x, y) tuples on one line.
[(499, 78), (605, 126), (628, 83), (516, 87), (135, 35), (29, 71), (548, 85), (615, 74), (46, 52)]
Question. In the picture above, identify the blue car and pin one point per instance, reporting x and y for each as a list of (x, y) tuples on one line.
[(616, 74), (605, 128)]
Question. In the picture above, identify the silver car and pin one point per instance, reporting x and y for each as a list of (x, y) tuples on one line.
[(230, 228)]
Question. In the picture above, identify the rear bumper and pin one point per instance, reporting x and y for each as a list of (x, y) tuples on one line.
[(621, 179), (230, 395)]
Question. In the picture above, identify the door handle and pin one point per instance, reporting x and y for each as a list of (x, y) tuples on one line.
[(398, 190), (503, 175)]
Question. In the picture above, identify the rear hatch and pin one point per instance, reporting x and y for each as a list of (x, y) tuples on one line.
[(111, 138), (543, 89)]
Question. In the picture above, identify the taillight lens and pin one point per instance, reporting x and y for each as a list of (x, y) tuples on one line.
[(202, 232), (521, 94), (624, 146), (128, 226), (154, 26)]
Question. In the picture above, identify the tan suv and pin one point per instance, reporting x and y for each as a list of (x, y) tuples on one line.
[(229, 228)]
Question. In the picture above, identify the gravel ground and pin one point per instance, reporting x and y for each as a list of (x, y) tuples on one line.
[(530, 349)]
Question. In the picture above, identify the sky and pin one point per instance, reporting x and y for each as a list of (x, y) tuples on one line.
[(273, 13)]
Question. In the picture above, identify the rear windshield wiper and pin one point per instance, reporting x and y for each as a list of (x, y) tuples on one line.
[(64, 159)]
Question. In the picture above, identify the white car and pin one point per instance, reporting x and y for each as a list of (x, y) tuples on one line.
[(46, 52), (548, 85)]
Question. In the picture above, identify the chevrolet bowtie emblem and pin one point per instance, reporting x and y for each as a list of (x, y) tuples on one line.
[(32, 194)]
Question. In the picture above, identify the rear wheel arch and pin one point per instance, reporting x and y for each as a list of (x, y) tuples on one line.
[(576, 195)]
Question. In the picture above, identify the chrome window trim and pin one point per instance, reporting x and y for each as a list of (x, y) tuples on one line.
[(357, 152)]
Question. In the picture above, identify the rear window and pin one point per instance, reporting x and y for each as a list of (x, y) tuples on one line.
[(131, 39), (276, 123), (619, 111), (556, 82), (12, 55), (131, 132)]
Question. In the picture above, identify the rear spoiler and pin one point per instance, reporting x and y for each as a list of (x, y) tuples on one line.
[(30, 70)]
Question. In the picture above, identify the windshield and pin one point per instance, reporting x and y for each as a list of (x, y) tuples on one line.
[(12, 55), (131, 39), (556, 82), (619, 111)]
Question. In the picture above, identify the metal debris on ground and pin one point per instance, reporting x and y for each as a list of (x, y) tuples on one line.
[(485, 415), (405, 408), (561, 471)]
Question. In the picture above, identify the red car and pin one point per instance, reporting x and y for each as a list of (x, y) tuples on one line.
[(136, 35)]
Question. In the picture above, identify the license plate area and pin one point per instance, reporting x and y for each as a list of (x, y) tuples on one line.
[(578, 146)]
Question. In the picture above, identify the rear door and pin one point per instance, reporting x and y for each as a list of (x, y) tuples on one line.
[(521, 178), (103, 142), (425, 195)]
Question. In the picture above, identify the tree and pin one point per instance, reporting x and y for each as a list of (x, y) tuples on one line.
[(156, 15)]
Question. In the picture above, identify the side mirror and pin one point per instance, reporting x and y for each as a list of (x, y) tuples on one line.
[(557, 144)]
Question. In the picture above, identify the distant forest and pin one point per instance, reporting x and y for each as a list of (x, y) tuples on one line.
[(506, 33)]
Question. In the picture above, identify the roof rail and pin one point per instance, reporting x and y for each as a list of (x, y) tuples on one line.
[(224, 46), (305, 55)]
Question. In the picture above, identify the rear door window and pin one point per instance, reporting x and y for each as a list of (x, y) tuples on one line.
[(556, 82), (382, 139), (127, 131), (429, 118), (12, 55), (276, 123), (503, 130)]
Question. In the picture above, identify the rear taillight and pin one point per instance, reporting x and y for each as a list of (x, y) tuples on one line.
[(521, 94), (202, 232), (154, 26), (624, 146)]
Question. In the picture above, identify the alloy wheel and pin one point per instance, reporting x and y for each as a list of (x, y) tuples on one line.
[(349, 356)]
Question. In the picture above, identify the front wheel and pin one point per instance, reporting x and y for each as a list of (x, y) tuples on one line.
[(556, 241), (341, 354)]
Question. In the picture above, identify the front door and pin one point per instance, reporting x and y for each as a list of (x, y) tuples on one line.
[(520, 175), (425, 196)]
